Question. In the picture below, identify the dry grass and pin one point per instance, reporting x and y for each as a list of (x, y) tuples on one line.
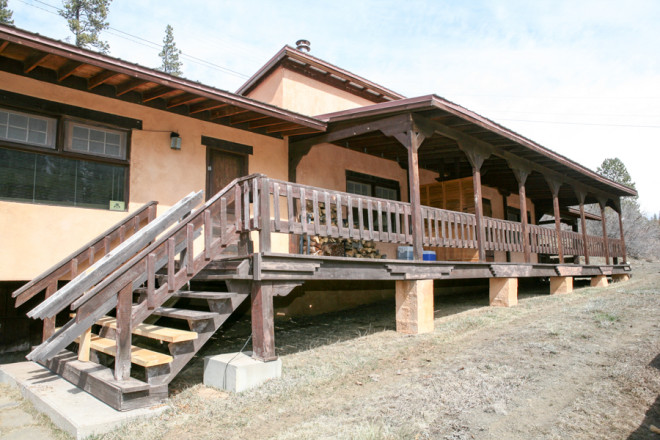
[(576, 366)]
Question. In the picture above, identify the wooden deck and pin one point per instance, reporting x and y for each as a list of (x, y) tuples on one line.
[(291, 267)]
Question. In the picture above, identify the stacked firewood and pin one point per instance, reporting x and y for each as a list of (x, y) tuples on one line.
[(339, 247)]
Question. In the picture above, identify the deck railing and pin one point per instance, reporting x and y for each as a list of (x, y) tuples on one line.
[(302, 209)]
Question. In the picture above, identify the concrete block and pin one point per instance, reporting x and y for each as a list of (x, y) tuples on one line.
[(503, 292), (599, 281), (561, 285), (238, 371), (617, 278), (414, 306), (71, 409)]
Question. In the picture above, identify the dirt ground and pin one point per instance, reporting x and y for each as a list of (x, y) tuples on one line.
[(580, 366)]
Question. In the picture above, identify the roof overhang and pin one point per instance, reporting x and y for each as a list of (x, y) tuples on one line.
[(452, 124), (32, 55), (315, 68)]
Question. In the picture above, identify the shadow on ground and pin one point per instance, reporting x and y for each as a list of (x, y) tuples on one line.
[(652, 418)]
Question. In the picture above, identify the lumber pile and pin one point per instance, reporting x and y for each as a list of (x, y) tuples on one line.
[(339, 247)]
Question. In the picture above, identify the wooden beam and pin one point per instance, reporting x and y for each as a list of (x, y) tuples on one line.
[(555, 185), (184, 99), (155, 93), (3, 45), (263, 322), (224, 112), (100, 78), (129, 86), (68, 69), (206, 105), (33, 62)]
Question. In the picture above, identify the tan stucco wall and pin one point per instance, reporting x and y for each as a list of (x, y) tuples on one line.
[(298, 93), (34, 237)]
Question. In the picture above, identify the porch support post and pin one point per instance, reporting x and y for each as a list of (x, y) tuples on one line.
[(581, 195), (505, 206), (263, 324), (476, 156), (503, 292), (561, 285), (603, 204), (554, 187), (522, 172), (617, 204), (412, 139), (123, 333)]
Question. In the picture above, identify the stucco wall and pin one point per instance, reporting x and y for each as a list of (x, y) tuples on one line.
[(34, 237)]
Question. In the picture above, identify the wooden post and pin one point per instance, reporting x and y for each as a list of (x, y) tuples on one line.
[(505, 194), (49, 323), (84, 345), (476, 157), (264, 216), (603, 204), (521, 172), (617, 204), (554, 187), (581, 195), (263, 325), (123, 335)]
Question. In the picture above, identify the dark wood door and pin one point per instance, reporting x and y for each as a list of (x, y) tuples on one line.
[(223, 167)]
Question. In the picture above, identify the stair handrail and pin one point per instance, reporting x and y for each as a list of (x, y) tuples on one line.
[(70, 263), (104, 296), (114, 259)]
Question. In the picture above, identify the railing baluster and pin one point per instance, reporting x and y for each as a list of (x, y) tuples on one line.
[(289, 208), (276, 206), (379, 208), (349, 210), (370, 219), (340, 218), (328, 213), (208, 234), (223, 218), (303, 211), (246, 206), (151, 281), (238, 208), (190, 253), (171, 252), (406, 225), (360, 218), (315, 212), (388, 209), (398, 225), (436, 214), (256, 203)]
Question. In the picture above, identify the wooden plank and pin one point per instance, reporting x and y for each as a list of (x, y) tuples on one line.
[(123, 333), (276, 207), (49, 323), (84, 345), (189, 315), (264, 219), (190, 251), (151, 280), (138, 356), (340, 219), (360, 219), (303, 211), (165, 334), (289, 207), (115, 258), (203, 295), (315, 212)]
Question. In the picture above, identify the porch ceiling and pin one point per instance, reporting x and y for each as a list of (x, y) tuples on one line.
[(441, 153), (32, 55)]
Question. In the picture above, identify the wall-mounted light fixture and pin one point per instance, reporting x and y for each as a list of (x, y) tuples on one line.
[(175, 141)]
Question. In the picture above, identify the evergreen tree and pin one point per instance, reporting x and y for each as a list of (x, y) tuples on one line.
[(86, 19), (5, 13), (615, 170), (170, 54)]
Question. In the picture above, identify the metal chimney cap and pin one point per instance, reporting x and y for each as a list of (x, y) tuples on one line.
[(303, 45)]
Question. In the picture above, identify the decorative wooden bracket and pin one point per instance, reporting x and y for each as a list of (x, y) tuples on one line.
[(476, 153), (520, 170), (554, 185)]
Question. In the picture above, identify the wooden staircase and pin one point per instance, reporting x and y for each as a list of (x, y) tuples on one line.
[(121, 298)]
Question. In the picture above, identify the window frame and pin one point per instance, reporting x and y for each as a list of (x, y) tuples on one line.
[(60, 138), (373, 182)]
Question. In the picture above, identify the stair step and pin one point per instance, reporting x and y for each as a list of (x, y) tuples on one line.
[(139, 356), (192, 315), (165, 334), (203, 295)]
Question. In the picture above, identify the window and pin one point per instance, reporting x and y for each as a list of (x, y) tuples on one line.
[(372, 186), (85, 166), (27, 129)]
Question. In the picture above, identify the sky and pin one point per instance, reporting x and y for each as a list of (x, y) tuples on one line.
[(581, 77)]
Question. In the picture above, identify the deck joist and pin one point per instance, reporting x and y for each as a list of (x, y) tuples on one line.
[(275, 267)]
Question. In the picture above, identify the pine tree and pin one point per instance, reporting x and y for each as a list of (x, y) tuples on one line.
[(86, 19), (615, 170), (170, 54), (5, 13)]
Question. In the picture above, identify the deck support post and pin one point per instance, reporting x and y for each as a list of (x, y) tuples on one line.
[(49, 323), (503, 292), (561, 285), (521, 172), (263, 322), (619, 277), (617, 208), (603, 220), (414, 306), (599, 281), (123, 333), (476, 155), (554, 187), (581, 196)]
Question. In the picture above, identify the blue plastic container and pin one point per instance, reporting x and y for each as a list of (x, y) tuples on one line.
[(429, 256)]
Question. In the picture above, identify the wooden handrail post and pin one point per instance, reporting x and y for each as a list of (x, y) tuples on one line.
[(49, 323), (521, 172), (603, 204), (554, 187), (264, 216), (123, 337)]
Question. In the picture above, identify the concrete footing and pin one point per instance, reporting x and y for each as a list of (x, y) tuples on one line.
[(599, 281), (561, 285), (238, 372), (503, 292), (71, 409), (617, 278), (414, 306)]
